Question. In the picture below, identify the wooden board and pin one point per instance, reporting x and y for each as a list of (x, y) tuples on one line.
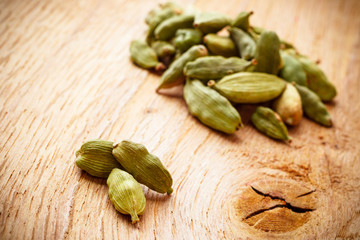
[(65, 77)]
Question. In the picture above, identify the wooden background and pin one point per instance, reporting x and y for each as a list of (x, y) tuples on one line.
[(65, 77)]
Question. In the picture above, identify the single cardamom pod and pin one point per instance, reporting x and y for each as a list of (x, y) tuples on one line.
[(220, 45), (289, 106), (267, 53), (210, 107), (215, 67), (163, 49), (186, 38), (242, 21), (167, 28), (157, 17), (145, 167), (211, 22), (249, 87), (174, 75), (126, 194), (144, 56), (95, 157), (292, 71), (313, 107), (244, 43), (269, 122), (317, 80)]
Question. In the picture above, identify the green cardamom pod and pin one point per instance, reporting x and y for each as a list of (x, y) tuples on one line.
[(269, 122), (244, 43), (317, 80), (210, 107), (126, 194), (144, 56), (167, 28), (242, 21), (146, 168), (95, 157), (155, 13), (215, 67), (211, 22), (186, 38), (267, 53), (157, 17), (220, 45), (163, 49), (174, 75), (292, 70), (249, 87), (289, 106), (313, 107)]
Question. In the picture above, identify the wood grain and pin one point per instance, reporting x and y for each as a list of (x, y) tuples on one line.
[(65, 77)]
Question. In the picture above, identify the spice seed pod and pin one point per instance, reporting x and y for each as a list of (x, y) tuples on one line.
[(269, 122), (215, 67), (95, 157), (244, 43), (210, 107), (292, 71), (144, 56), (174, 75), (249, 87), (186, 38), (313, 107), (289, 106), (145, 167), (220, 45), (167, 28), (242, 20), (126, 194), (211, 22), (267, 53)]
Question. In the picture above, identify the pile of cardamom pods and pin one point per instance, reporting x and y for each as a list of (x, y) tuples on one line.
[(125, 165), (224, 62)]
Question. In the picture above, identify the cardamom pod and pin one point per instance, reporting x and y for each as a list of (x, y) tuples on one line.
[(267, 53), (144, 56), (292, 70), (126, 194), (269, 122), (220, 45), (242, 21), (157, 17), (95, 157), (186, 38), (145, 167), (244, 43), (154, 13), (313, 107), (211, 22), (174, 75), (210, 107), (215, 67), (167, 28), (317, 80), (249, 87), (163, 49), (289, 106), (286, 45)]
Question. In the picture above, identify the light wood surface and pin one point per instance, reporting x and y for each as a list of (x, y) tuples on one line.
[(65, 77)]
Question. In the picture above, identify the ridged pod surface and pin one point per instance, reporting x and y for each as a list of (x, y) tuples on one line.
[(249, 87), (210, 107), (95, 157), (313, 107), (167, 28), (174, 75), (244, 43), (144, 56), (242, 21), (269, 122), (145, 167), (292, 70), (215, 67), (186, 38), (126, 194), (267, 53), (211, 22), (220, 45)]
